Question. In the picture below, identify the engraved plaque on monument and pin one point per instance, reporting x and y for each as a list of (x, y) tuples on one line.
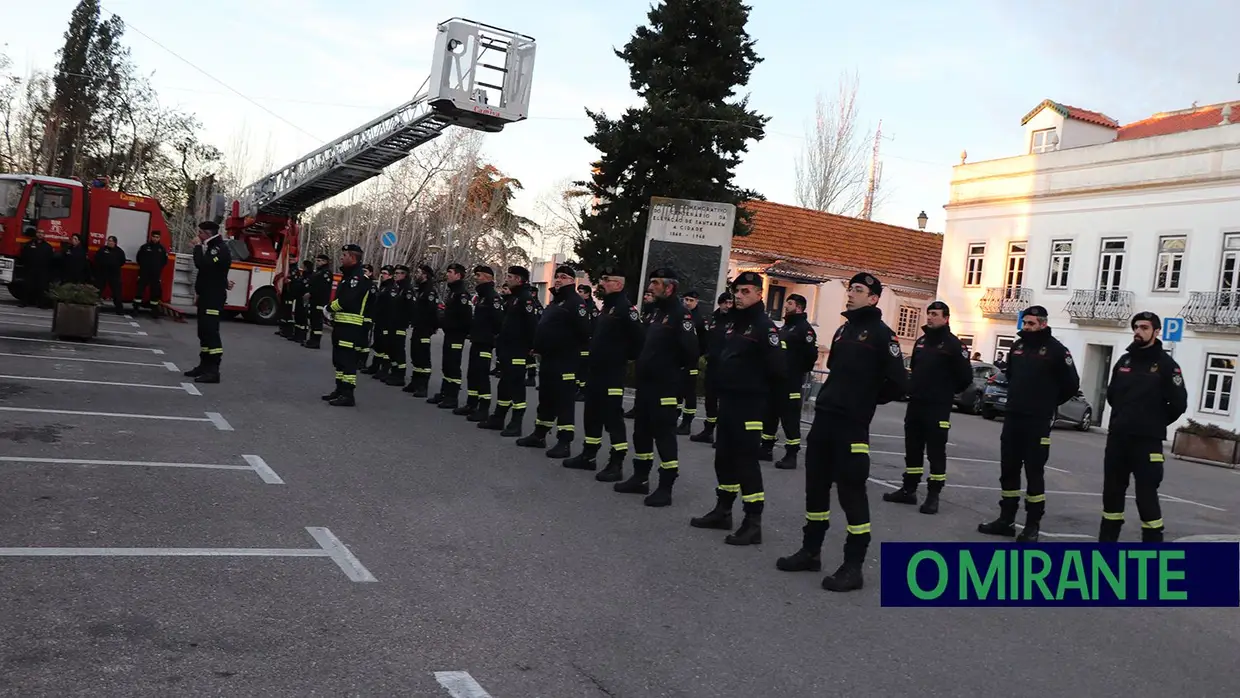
[(694, 238)]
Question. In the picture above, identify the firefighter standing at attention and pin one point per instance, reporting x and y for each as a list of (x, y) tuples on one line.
[(558, 338), (865, 369), (318, 294), (1041, 377), (617, 338), (512, 350), (488, 313), (670, 347), (151, 258), (348, 323), (368, 320), (425, 323), (457, 314), (212, 260), (939, 368), (1146, 394), (800, 343), (592, 313), (751, 367), (382, 323), (400, 312), (710, 345), (301, 306)]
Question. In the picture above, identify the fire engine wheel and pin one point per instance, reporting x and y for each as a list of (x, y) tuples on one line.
[(264, 308)]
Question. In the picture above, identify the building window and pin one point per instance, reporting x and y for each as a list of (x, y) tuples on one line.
[(1170, 262), (1219, 381), (1061, 261), (775, 302), (1002, 346), (973, 265), (1111, 264), (1015, 276), (1229, 271), (1044, 141), (966, 343), (909, 322)]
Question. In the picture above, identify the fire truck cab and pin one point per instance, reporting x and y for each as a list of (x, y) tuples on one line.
[(61, 207)]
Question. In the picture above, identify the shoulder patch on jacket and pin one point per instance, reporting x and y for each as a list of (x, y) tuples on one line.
[(1067, 357), (894, 348), (581, 310)]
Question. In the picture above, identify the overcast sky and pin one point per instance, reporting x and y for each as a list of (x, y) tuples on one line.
[(943, 76)]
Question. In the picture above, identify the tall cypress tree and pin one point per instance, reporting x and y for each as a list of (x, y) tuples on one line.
[(74, 101), (687, 64)]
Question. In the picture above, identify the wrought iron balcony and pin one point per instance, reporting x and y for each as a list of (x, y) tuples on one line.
[(1005, 301), (1100, 305), (1217, 311)]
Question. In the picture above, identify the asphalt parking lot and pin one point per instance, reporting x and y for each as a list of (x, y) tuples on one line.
[(162, 537)]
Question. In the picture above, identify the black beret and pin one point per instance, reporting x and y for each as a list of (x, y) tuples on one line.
[(1148, 317), (724, 297), (609, 270), (323, 257), (867, 280), (1036, 311), (209, 226), (484, 269), (798, 298), (426, 269), (664, 273), (386, 268), (566, 269), (748, 278), (691, 294), (352, 247), (519, 272), (940, 305), (368, 266), (585, 287), (401, 268)]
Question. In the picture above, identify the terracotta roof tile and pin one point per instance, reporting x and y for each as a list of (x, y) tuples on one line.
[(1070, 112), (791, 233), (1177, 122)]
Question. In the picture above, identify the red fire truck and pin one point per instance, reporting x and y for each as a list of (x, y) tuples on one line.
[(262, 222)]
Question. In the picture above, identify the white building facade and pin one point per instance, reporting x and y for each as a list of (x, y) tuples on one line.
[(1131, 218)]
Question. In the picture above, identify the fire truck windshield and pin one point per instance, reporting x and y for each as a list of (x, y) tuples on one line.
[(10, 196)]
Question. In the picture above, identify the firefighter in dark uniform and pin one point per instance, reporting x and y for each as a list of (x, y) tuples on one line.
[(348, 324), (558, 338), (647, 311), (1041, 376), (710, 345), (940, 369), (212, 260), (670, 348), (425, 323), (866, 369), (617, 338), (400, 313), (1146, 395), (751, 367), (800, 343), (109, 261), (382, 304), (458, 313), (285, 329), (488, 313), (151, 258), (689, 389), (512, 349), (301, 307), (318, 294), (368, 320), (592, 313), (37, 256)]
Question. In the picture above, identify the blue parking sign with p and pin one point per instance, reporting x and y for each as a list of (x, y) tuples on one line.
[(1173, 329)]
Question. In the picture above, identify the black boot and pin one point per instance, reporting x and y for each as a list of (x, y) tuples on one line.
[(471, 404), (809, 557), (904, 495), (639, 483), (314, 341), (749, 533), (662, 495), (1029, 534), (381, 370), (931, 505), (334, 393), (494, 422), (537, 439), (210, 371), (436, 398), (451, 398), (480, 411), (195, 371), (1151, 535), (395, 377), (1109, 530), (345, 399), (706, 435), (686, 425), (371, 368), (514, 424), (767, 454), (584, 460), (562, 449), (1005, 525), (789, 461), (720, 517), (614, 470), (846, 578)]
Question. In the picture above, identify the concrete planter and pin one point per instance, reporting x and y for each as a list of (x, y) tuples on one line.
[(75, 321), (1209, 448)]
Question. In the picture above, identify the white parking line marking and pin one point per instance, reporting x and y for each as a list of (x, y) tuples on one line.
[(217, 420), (340, 555), (264, 471), (127, 334), (1165, 497), (1209, 538), (965, 460), (329, 547), (460, 684), (900, 437), (46, 327), (191, 389), (102, 321), (91, 344), (169, 366), (254, 463), (134, 324), (123, 385)]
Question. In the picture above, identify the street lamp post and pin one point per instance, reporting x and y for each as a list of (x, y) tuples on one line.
[(922, 219)]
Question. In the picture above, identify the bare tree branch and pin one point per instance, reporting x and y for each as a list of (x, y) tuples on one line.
[(832, 172), (560, 207)]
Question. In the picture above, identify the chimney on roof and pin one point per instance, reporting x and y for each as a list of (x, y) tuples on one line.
[(1226, 115)]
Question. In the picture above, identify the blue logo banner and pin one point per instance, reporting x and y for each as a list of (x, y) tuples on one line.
[(1061, 574)]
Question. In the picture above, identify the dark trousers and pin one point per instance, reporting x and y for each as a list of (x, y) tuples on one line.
[(112, 282), (925, 434), (395, 350), (1024, 445), (450, 368), (286, 315), (604, 409), (301, 319), (557, 396), (738, 443), (711, 398), (479, 376), (34, 287), (1141, 460), (510, 394), (363, 340), (654, 425), (210, 344), (783, 407), (156, 288), (688, 393), (420, 358), (837, 455), (315, 318), (345, 356)]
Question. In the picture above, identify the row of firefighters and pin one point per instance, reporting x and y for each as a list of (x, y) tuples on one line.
[(754, 377), (42, 264)]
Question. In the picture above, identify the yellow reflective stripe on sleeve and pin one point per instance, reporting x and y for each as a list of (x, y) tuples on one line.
[(615, 392), (859, 448), (1046, 441), (335, 306), (458, 346), (425, 340), (859, 529), (667, 401), (1113, 516), (693, 371), (755, 497), (471, 393), (348, 319), (402, 333), (518, 362), (783, 344), (794, 396), (1156, 523), (485, 355), (945, 425), (753, 426), (568, 376), (1156, 458), (585, 353), (1035, 498), (818, 515), (345, 345), (212, 311)]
